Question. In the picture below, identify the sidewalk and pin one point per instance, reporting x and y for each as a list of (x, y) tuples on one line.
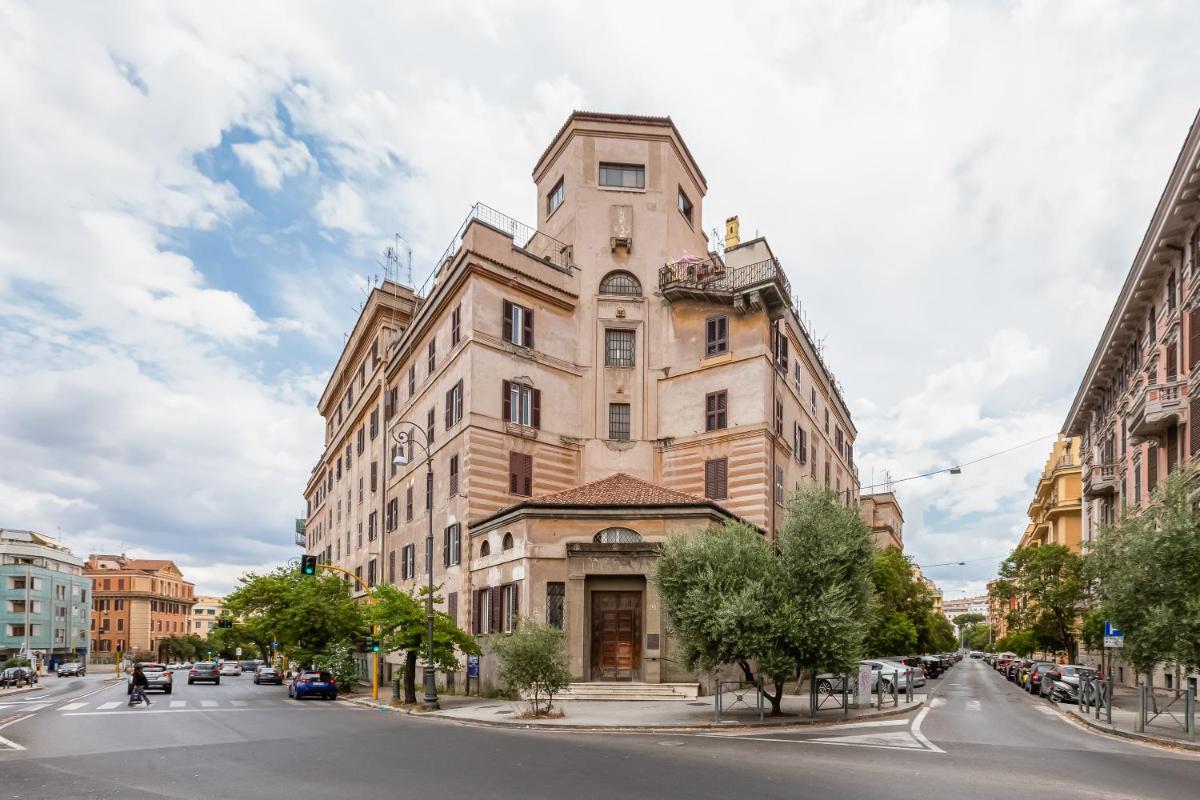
[(639, 714), (1159, 730)]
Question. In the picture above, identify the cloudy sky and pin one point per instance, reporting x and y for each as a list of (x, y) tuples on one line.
[(193, 197)]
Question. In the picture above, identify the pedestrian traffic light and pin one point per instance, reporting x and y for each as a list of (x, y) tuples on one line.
[(224, 623), (374, 645), (308, 565)]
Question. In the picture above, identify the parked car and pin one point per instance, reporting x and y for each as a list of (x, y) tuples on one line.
[(311, 682), (932, 666), (1061, 684), (204, 671), (157, 677), (1036, 675), (976, 654), (1002, 661), (911, 661), (249, 665), (72, 668), (268, 674), (898, 675), (18, 676), (231, 669)]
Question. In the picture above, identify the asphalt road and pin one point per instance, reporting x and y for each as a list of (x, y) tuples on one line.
[(981, 737)]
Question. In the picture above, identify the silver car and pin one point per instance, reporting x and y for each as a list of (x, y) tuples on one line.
[(157, 677)]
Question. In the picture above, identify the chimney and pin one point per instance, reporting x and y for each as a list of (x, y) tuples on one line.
[(733, 234)]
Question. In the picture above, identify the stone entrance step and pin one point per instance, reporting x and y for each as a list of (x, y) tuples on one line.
[(629, 690)]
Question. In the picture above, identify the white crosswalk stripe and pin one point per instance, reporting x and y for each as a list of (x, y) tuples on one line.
[(108, 705), (84, 709), (237, 703), (209, 704), (71, 706), (179, 704)]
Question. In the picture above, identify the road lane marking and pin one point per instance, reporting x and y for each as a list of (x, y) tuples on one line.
[(71, 706), (157, 711), (237, 703), (883, 723), (9, 742), (973, 705), (110, 704), (920, 737), (179, 704), (209, 704)]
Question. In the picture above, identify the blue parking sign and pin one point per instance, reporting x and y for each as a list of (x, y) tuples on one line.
[(1111, 630)]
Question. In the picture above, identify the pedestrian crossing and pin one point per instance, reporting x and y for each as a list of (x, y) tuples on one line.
[(162, 704)]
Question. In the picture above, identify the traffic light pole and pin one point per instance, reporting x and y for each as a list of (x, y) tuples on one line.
[(370, 601)]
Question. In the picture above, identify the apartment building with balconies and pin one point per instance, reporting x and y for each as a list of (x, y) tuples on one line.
[(44, 599), (1135, 406), (1055, 513), (587, 386), (136, 603)]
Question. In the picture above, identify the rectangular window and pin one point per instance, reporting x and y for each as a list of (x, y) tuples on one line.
[(360, 488), (371, 572), (374, 476), (455, 326), (412, 381), (781, 350), (716, 478), (429, 426), (555, 198), (511, 613), (453, 490), (685, 206), (778, 485), (372, 526), (618, 421), (451, 545), (716, 410), (716, 335), (408, 504), (556, 597), (408, 562), (779, 418), (482, 616), (522, 404), (618, 348), (454, 403), (838, 442), (518, 324), (432, 359), (374, 422), (623, 176), (390, 515), (349, 456), (798, 376), (813, 401), (520, 474), (812, 463), (799, 445), (362, 440), (429, 492)]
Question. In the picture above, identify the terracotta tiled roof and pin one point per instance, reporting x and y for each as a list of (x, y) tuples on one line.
[(617, 490)]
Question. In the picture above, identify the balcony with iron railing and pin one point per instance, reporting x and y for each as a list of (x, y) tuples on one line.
[(1100, 480), (751, 286), (1157, 407)]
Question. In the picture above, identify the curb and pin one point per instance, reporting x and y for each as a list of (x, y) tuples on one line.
[(707, 728), (1112, 730), (8, 693)]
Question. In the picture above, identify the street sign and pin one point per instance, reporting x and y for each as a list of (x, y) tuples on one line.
[(1111, 630), (1114, 641), (238, 652), (472, 666)]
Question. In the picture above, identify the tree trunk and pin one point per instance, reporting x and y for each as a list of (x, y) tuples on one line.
[(410, 677), (776, 699)]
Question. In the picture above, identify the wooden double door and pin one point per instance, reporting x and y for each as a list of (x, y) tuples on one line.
[(616, 636)]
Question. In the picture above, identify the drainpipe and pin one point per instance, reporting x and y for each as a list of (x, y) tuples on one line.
[(774, 433)]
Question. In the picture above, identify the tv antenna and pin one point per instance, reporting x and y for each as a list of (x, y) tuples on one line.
[(393, 262)]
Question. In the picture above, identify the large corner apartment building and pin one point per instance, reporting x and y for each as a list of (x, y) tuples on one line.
[(589, 386)]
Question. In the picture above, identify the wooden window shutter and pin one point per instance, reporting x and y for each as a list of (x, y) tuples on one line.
[(477, 610), (446, 547), (1172, 448), (508, 331), (506, 401), (1194, 426), (715, 479), (527, 333), (516, 601), (449, 409), (497, 609), (536, 402), (1193, 337), (1172, 362), (513, 472), (1151, 469)]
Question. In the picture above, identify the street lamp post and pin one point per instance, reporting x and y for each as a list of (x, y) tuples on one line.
[(405, 439)]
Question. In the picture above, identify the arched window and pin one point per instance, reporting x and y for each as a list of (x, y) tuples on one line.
[(485, 549), (620, 282), (617, 536), (507, 543)]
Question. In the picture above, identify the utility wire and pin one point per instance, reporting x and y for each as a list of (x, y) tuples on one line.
[(958, 467)]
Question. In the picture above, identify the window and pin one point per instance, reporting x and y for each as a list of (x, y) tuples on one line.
[(555, 198), (715, 410), (452, 607), (812, 463), (374, 422), (685, 206), (372, 526), (520, 474), (371, 572), (781, 350), (556, 596), (778, 485), (408, 562), (485, 549), (518, 324), (453, 490), (507, 542), (716, 335), (827, 473), (455, 326), (779, 418), (623, 176), (412, 381), (522, 404), (390, 515), (621, 283), (374, 477), (451, 543), (618, 348), (408, 504), (391, 399), (716, 471), (799, 375), (826, 421), (618, 421), (485, 608), (617, 536), (813, 401), (799, 446), (349, 456), (391, 575), (429, 426), (454, 402), (429, 492), (432, 357), (360, 488)]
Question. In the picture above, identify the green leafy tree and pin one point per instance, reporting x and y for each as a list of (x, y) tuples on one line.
[(730, 600), (1145, 571), (979, 637), (306, 614), (1048, 586), (898, 605), (403, 625), (533, 662), (970, 618), (1021, 642), (939, 634), (338, 660)]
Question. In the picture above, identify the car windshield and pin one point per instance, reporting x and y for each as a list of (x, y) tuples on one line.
[(1070, 672)]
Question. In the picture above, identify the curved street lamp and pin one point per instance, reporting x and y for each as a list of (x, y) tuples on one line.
[(405, 441)]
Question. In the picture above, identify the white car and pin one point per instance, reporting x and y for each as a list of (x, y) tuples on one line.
[(231, 668), (897, 674)]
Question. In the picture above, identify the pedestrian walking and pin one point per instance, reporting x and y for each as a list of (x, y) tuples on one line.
[(138, 695)]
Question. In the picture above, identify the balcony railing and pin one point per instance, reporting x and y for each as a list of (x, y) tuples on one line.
[(1100, 479), (301, 541), (711, 276), (1156, 408), (537, 244)]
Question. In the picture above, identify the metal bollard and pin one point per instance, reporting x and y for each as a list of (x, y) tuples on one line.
[(1139, 724), (1108, 700), (908, 695), (1189, 714), (879, 693)]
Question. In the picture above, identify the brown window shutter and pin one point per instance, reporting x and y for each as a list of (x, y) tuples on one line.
[(537, 408), (1151, 469), (1172, 448), (446, 547), (506, 401), (516, 601), (527, 475), (1193, 321), (514, 466), (527, 337), (508, 331), (449, 408), (497, 611), (1172, 361), (477, 610)]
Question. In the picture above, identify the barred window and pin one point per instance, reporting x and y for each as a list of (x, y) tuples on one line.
[(617, 536), (618, 421), (621, 283), (556, 596), (618, 348)]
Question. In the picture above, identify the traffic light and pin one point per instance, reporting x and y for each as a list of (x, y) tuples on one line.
[(308, 565), (372, 644), (224, 623)]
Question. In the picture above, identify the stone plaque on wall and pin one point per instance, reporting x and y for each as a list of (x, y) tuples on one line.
[(651, 641)]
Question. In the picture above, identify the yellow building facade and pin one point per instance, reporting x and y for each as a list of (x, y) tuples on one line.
[(1056, 512)]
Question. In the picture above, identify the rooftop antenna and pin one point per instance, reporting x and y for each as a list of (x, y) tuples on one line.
[(392, 263)]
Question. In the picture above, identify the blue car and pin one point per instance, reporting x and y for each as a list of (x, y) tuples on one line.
[(311, 682)]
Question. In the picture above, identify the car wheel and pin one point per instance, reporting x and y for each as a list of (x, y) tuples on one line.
[(190, 682), (168, 690), (825, 686)]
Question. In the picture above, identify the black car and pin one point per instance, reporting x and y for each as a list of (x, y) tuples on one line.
[(932, 666), (1037, 672), (72, 668), (18, 676)]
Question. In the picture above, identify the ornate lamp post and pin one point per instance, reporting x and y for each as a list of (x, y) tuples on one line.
[(403, 434)]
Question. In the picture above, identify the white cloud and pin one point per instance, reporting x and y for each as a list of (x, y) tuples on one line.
[(343, 208), (272, 161)]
